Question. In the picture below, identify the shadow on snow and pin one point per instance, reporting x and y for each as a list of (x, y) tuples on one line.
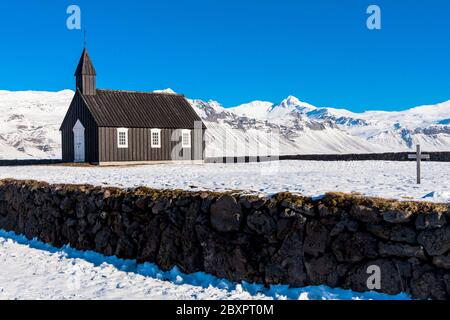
[(201, 279)]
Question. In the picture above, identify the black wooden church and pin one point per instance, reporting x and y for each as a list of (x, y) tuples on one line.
[(120, 127)]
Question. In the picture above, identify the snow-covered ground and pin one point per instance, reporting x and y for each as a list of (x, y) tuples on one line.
[(313, 178), (33, 270)]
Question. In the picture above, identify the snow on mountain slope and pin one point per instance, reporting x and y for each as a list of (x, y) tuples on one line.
[(391, 131), (423, 125), (273, 130), (255, 110), (263, 110), (30, 121)]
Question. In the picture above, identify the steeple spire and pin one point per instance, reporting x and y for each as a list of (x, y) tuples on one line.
[(85, 75)]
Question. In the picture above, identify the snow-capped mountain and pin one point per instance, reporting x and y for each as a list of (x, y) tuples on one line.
[(29, 127), (304, 128), (262, 128), (29, 123), (395, 131)]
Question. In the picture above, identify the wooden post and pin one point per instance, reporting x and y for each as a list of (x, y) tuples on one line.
[(419, 157), (419, 160)]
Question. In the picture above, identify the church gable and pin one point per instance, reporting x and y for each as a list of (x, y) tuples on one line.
[(128, 126)]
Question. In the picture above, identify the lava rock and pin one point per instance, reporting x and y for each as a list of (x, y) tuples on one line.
[(206, 204), (430, 221), (322, 270), (304, 208), (338, 229), (401, 251), (287, 265), (126, 248), (288, 213), (177, 217), (380, 230), (442, 262), (400, 233), (316, 239), (284, 226), (159, 206), (307, 209), (141, 203), (345, 224), (66, 204), (436, 242), (325, 211), (428, 285), (365, 214), (127, 206), (182, 202), (261, 223), (393, 276), (354, 247), (226, 214), (150, 241), (447, 283), (168, 248), (397, 216), (223, 258), (71, 222), (101, 240), (257, 203)]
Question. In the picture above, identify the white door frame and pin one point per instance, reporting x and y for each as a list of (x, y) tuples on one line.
[(79, 143)]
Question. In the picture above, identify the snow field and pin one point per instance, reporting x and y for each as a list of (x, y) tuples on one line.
[(386, 179)]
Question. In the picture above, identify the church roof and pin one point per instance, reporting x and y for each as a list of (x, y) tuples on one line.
[(85, 66), (131, 109)]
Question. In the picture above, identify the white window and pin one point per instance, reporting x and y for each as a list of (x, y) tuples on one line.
[(186, 138), (122, 138), (155, 136)]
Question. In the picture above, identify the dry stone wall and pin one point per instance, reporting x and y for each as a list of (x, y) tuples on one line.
[(282, 239)]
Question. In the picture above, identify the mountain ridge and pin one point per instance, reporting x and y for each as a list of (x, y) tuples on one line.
[(30, 120)]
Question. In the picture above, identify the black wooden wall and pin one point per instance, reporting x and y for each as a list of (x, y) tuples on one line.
[(139, 146), (79, 110), (87, 84), (101, 143)]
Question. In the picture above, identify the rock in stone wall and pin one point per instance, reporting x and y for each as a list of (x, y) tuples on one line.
[(283, 239)]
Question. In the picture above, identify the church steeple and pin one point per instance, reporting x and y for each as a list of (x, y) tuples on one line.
[(85, 75)]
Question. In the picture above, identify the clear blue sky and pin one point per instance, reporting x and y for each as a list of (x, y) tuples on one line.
[(235, 51)]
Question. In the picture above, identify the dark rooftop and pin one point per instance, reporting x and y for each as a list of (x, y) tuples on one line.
[(132, 109), (85, 66)]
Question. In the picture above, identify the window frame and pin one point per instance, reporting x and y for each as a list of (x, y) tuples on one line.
[(125, 131), (189, 145), (152, 145)]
